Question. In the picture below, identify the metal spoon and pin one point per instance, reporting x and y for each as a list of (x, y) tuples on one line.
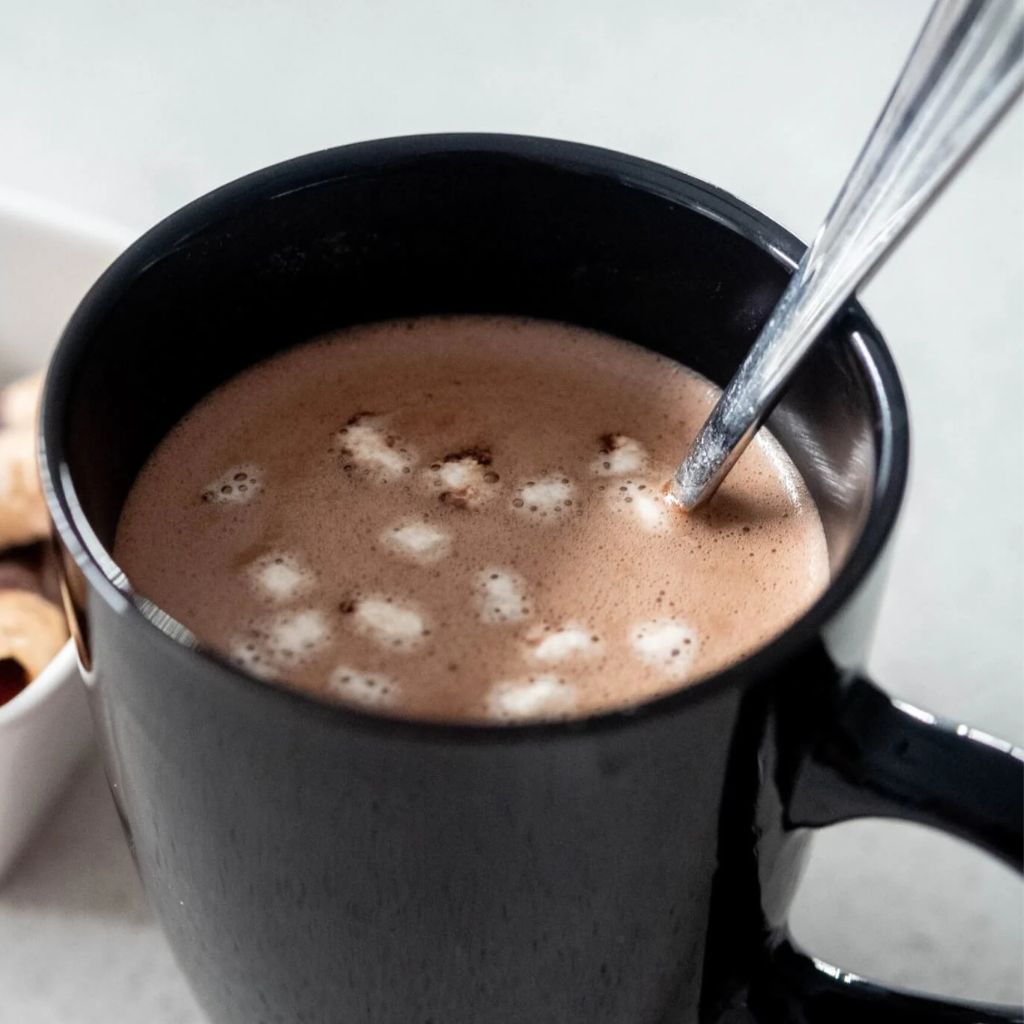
[(965, 70)]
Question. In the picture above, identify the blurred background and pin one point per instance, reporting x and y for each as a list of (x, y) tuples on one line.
[(128, 110)]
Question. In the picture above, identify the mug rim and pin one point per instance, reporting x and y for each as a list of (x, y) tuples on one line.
[(872, 355)]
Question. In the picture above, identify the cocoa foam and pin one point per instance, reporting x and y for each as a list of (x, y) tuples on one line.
[(462, 519)]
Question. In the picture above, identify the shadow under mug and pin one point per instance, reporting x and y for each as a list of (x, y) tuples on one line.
[(312, 863)]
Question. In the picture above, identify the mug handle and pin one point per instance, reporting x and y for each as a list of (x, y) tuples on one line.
[(868, 755)]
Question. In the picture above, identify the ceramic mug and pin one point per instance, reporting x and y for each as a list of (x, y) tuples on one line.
[(314, 863)]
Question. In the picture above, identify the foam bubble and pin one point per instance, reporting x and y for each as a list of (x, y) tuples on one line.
[(370, 689), (464, 479), (287, 639), (546, 498), (666, 644), (280, 576), (644, 503), (536, 697), (389, 623), (619, 455), (501, 596), (235, 486), (417, 540), (365, 441), (572, 640)]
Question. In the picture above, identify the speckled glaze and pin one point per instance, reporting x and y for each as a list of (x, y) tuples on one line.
[(314, 864)]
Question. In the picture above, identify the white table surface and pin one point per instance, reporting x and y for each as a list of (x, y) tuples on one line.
[(129, 110)]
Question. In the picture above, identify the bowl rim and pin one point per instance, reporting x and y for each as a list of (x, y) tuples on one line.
[(37, 213), (54, 217), (39, 690)]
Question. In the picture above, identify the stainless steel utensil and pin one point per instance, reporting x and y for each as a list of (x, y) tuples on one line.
[(965, 70)]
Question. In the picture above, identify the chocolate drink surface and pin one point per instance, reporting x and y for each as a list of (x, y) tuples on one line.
[(463, 519)]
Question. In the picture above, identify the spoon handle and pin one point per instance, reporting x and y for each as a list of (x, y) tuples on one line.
[(965, 70)]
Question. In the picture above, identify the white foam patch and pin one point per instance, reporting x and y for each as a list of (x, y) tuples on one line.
[(367, 442), (370, 689), (666, 644), (294, 636), (287, 639), (546, 498), (536, 697), (235, 486), (570, 641), (280, 576), (417, 540), (460, 473), (389, 623), (465, 482), (644, 503), (251, 656), (619, 456), (501, 596)]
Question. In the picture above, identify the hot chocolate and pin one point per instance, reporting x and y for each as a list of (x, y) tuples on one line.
[(463, 519)]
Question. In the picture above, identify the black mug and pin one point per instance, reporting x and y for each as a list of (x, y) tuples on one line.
[(313, 863)]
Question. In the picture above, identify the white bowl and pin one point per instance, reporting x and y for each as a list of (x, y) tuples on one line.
[(48, 259)]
